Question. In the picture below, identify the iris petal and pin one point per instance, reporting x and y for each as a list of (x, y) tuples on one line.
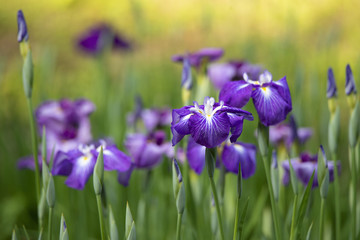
[(243, 152), (114, 159), (236, 93), (196, 156), (209, 131), (82, 169)]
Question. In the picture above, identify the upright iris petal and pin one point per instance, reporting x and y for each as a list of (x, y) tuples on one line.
[(22, 28), (186, 77), (208, 124), (304, 167), (331, 85), (350, 82)]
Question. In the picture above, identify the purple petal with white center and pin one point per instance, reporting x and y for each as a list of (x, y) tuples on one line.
[(83, 167), (350, 82), (236, 93), (272, 103), (240, 152), (209, 131), (196, 156), (221, 73), (331, 85), (114, 159), (124, 177), (62, 164)]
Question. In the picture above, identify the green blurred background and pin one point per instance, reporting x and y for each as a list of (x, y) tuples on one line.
[(299, 39)]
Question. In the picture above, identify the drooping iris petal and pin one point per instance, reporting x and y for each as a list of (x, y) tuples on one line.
[(236, 126), (350, 82), (331, 85), (209, 131), (196, 155), (124, 177), (135, 144), (62, 164), (28, 162), (83, 167), (186, 77), (151, 155), (114, 159), (237, 152), (272, 104), (236, 93), (180, 124)]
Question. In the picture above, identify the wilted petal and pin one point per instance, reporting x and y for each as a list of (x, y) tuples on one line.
[(196, 156), (236, 93), (210, 131), (243, 152)]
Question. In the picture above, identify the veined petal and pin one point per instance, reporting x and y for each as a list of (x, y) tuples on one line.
[(240, 152), (180, 124), (82, 169), (236, 124), (114, 159), (272, 104), (210, 131), (236, 93), (196, 156)]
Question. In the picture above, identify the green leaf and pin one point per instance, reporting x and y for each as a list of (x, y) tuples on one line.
[(114, 235), (354, 123), (333, 130), (26, 233), (294, 182), (308, 235), (263, 139), (13, 236), (50, 192), (98, 177), (128, 221), (210, 158), (62, 226), (242, 218), (40, 234), (304, 201)]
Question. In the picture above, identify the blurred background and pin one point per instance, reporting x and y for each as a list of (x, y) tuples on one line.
[(299, 39)]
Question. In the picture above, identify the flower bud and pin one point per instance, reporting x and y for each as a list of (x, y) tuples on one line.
[(98, 177), (64, 235), (354, 123), (331, 91), (333, 130), (50, 192)]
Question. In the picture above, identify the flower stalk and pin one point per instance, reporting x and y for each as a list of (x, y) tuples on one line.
[(210, 164), (237, 211)]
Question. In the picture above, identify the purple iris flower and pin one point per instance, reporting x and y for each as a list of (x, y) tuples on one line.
[(208, 124), (271, 99), (331, 85), (22, 28), (203, 55), (303, 167), (146, 151), (67, 125), (78, 164), (350, 82), (221, 73), (95, 40), (186, 77), (283, 133), (231, 155)]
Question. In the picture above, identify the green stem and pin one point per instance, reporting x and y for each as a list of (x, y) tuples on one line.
[(321, 235), (34, 148), (102, 229), (217, 205), (50, 222), (353, 179), (237, 213), (272, 199), (293, 227), (337, 198), (178, 227)]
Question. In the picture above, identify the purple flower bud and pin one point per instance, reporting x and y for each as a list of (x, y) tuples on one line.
[(22, 28), (178, 172), (350, 82), (331, 85), (274, 159)]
